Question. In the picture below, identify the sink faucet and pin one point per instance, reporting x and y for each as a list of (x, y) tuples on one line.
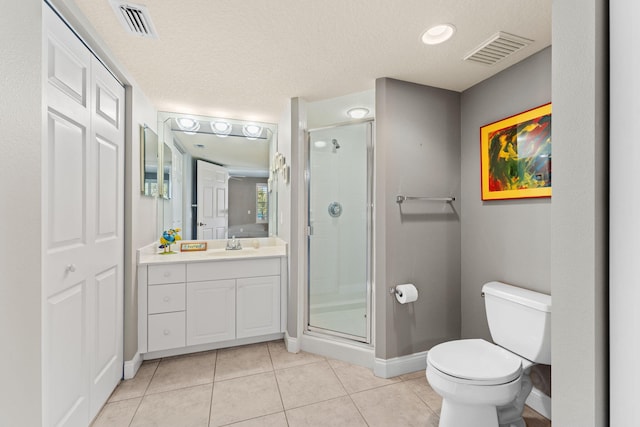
[(233, 244)]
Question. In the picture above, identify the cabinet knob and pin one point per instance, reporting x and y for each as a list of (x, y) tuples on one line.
[(167, 332), (71, 268), (166, 299), (167, 273)]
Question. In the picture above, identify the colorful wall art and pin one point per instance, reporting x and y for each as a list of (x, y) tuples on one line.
[(516, 156)]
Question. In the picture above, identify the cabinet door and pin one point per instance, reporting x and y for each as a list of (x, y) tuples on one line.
[(211, 311), (258, 306)]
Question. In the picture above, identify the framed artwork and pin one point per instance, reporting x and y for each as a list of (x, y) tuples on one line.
[(193, 246), (516, 156)]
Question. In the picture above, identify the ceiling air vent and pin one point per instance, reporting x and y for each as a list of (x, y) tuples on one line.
[(134, 18), (496, 48)]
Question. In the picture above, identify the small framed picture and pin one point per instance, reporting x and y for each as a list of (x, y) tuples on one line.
[(193, 246)]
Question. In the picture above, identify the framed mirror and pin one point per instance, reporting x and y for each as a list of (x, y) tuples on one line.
[(242, 153), (148, 162)]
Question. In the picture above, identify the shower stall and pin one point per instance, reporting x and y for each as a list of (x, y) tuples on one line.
[(339, 230)]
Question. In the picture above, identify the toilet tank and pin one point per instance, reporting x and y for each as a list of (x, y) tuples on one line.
[(519, 320)]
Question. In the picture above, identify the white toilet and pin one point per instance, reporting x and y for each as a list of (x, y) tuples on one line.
[(484, 384)]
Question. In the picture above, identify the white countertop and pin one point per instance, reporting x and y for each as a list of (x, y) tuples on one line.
[(268, 247)]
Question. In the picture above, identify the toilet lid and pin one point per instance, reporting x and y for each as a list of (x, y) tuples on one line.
[(475, 360)]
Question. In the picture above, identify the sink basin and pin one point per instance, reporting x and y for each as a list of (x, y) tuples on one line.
[(233, 253)]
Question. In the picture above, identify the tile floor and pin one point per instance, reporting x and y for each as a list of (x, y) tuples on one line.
[(264, 385)]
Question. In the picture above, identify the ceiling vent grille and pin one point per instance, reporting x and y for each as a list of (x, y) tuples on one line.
[(134, 18), (497, 47)]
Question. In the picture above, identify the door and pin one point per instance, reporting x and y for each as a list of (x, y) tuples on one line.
[(339, 231), (83, 208), (213, 196), (258, 308), (211, 311)]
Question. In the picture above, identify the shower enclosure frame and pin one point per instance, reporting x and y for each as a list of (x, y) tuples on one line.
[(318, 331)]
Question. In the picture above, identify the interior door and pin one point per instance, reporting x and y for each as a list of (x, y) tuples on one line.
[(83, 208), (213, 196)]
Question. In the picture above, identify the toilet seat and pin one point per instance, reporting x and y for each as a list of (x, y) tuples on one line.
[(475, 361)]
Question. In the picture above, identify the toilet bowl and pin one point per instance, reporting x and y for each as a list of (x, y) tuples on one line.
[(475, 378), (484, 384)]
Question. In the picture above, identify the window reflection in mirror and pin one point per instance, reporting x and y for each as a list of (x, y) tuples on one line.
[(148, 162), (167, 157), (245, 150)]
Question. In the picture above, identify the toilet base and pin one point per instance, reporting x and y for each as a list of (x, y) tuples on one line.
[(455, 414)]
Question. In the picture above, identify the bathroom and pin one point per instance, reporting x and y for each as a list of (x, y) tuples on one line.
[(473, 245)]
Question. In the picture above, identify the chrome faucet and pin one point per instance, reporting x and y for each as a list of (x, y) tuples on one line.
[(233, 244)]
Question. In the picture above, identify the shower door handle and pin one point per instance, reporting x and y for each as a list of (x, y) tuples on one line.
[(310, 230)]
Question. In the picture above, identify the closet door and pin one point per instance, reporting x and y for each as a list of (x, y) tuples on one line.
[(82, 229)]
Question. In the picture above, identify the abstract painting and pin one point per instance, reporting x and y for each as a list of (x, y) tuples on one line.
[(516, 156)]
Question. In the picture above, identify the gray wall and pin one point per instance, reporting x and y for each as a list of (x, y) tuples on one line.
[(624, 292), (501, 240), (242, 199), (417, 154), (579, 238), (20, 210)]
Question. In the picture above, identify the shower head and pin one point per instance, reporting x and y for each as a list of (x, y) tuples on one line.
[(335, 145)]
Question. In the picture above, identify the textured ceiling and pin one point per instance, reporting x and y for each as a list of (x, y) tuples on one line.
[(244, 59)]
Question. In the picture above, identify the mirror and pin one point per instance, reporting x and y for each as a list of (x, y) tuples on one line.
[(148, 162), (167, 157), (243, 203)]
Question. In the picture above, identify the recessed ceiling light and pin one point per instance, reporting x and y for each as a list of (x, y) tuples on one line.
[(358, 112), (252, 131), (221, 128), (438, 34)]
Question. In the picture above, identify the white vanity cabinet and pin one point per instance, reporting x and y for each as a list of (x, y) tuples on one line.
[(193, 306)]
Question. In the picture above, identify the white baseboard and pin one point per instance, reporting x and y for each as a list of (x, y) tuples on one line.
[(131, 366), (388, 368), (540, 402), (361, 355), (291, 343)]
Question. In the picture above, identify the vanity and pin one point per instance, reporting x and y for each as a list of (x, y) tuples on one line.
[(204, 300)]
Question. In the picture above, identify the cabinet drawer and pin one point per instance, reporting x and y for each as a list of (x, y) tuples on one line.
[(166, 331), (168, 273), (166, 298), (220, 270)]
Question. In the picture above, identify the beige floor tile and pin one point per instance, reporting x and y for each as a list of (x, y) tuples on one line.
[(306, 384), (241, 361), (394, 405), (273, 420), (244, 398), (421, 387), (413, 375), (335, 412), (358, 378), (136, 386), (183, 371), (117, 413), (282, 359), (186, 407)]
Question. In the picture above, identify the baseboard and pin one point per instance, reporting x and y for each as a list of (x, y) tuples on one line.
[(388, 368), (292, 343), (335, 348), (131, 366), (540, 402)]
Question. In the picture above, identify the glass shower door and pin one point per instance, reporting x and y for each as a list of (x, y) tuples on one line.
[(338, 297)]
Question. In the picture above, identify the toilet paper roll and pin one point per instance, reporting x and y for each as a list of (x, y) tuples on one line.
[(406, 293)]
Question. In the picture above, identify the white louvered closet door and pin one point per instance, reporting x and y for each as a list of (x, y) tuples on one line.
[(83, 207)]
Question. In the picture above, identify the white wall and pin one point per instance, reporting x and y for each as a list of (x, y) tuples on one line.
[(20, 207), (624, 292), (579, 214)]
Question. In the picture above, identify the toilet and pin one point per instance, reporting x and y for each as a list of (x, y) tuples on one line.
[(484, 384)]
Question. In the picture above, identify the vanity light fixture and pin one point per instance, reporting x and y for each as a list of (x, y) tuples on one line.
[(221, 128), (188, 125), (438, 34), (358, 112), (251, 131)]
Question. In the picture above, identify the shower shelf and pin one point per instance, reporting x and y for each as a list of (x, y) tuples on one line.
[(402, 199)]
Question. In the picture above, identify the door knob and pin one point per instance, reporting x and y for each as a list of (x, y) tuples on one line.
[(201, 224), (71, 268)]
